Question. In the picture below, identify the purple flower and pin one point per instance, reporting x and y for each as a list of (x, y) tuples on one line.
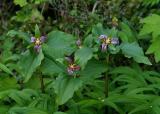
[(101, 37), (37, 48), (38, 42), (78, 42), (103, 47), (70, 71), (43, 38), (33, 39), (72, 68), (114, 41), (69, 60), (105, 41)]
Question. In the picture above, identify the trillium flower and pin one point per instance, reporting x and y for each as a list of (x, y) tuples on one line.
[(79, 43), (106, 41), (38, 42), (72, 67)]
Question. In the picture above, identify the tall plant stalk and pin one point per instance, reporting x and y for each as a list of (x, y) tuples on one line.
[(107, 83)]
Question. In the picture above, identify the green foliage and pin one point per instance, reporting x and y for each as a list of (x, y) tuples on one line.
[(133, 50), (151, 26), (150, 2), (4, 68), (25, 110), (53, 60), (59, 44), (20, 2), (83, 55), (29, 63), (65, 87)]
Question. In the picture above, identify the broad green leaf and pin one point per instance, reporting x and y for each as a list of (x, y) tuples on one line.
[(3, 109), (8, 83), (98, 29), (151, 25), (154, 48), (5, 69), (50, 67), (29, 63), (82, 56), (88, 41), (65, 88), (59, 44), (133, 50), (25, 110), (20, 2), (93, 69), (126, 34)]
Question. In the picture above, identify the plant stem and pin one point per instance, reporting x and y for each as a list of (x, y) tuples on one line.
[(107, 84), (42, 84)]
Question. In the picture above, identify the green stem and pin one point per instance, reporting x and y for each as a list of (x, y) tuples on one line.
[(42, 84), (107, 84)]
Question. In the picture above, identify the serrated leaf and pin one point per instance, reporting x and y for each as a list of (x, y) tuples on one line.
[(5, 69), (65, 88), (150, 2), (82, 56), (133, 50), (151, 25), (20, 2), (59, 44), (29, 63), (154, 48)]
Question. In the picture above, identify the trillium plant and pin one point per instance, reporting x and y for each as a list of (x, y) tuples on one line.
[(59, 66), (38, 42), (79, 57)]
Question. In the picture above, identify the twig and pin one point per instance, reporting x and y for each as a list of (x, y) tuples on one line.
[(94, 7)]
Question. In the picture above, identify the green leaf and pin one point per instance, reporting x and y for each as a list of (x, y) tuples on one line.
[(50, 67), (25, 110), (133, 50), (20, 2), (19, 34), (151, 25), (93, 70), (126, 34), (59, 44), (5, 69), (150, 2), (8, 83), (29, 63), (82, 56), (37, 32), (154, 48), (38, 1), (98, 29), (65, 88)]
